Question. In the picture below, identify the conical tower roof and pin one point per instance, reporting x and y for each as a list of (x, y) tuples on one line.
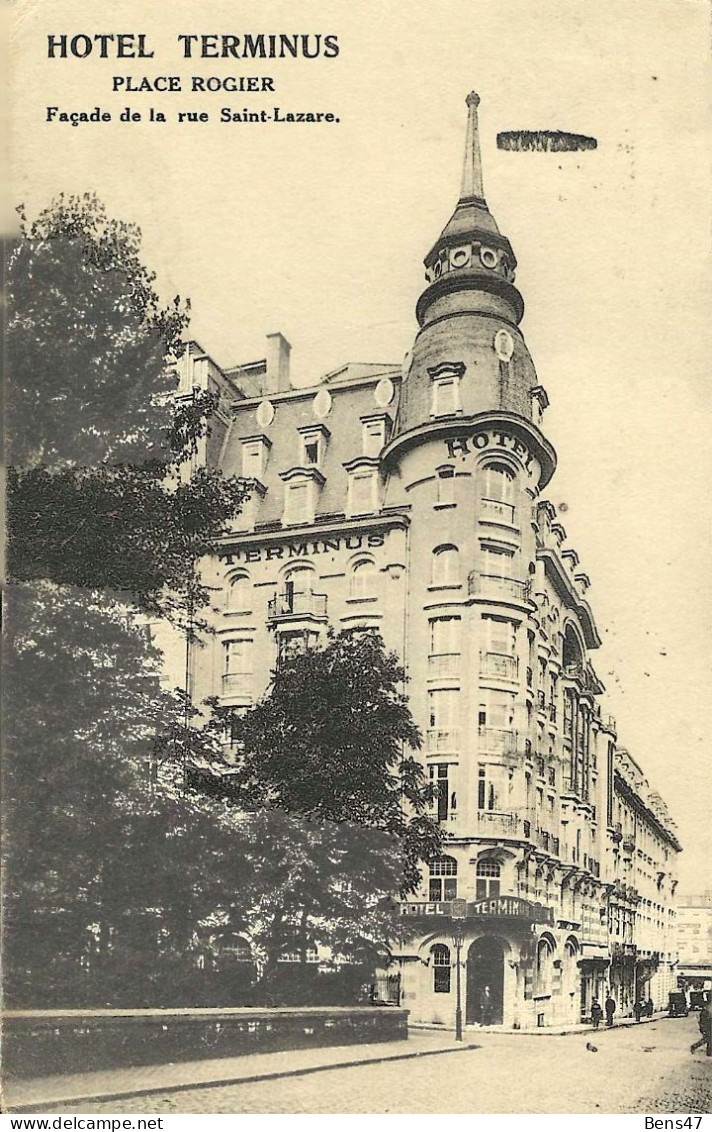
[(471, 213)]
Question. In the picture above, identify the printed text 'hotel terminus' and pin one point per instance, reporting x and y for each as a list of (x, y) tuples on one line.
[(411, 500)]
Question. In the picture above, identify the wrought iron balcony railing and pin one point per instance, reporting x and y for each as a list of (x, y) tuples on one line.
[(495, 822), (297, 603)]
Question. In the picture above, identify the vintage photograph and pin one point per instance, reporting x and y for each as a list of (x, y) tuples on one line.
[(356, 644)]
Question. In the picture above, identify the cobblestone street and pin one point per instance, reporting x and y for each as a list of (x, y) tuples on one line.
[(634, 1069)]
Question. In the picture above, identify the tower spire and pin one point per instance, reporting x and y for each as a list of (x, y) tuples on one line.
[(472, 188)]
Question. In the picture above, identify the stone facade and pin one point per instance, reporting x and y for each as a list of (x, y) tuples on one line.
[(411, 500), (694, 941)]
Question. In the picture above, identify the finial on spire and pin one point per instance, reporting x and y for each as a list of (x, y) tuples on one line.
[(472, 187)]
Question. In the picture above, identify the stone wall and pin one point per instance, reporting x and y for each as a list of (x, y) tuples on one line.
[(44, 1042)]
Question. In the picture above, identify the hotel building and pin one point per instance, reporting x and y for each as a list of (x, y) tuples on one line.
[(411, 500)]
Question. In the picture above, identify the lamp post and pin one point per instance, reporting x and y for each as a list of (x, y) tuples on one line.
[(458, 912)]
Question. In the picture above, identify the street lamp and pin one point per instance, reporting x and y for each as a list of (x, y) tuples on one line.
[(458, 912)]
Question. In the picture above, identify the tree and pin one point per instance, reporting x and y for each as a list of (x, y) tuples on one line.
[(332, 741), (336, 806), (98, 492), (90, 346), (314, 885), (107, 519)]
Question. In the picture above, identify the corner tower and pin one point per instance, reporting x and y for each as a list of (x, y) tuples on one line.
[(469, 359)]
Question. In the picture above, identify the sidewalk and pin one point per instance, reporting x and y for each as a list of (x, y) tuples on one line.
[(51, 1093), (472, 1032)]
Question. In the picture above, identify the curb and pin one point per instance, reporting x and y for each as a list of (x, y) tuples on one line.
[(546, 1031), (272, 1075)]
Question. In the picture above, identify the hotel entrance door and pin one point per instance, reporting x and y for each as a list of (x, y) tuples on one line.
[(485, 982)]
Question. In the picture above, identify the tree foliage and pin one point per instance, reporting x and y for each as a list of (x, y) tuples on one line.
[(120, 528), (333, 741), (90, 346), (100, 445), (107, 519)]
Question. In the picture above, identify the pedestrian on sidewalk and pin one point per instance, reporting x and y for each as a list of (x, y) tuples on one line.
[(638, 1009), (596, 1013), (705, 1023), (649, 1008), (610, 1006)]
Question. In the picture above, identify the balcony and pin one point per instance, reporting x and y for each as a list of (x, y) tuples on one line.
[(628, 844), (496, 740), (496, 587), (493, 823), (237, 684), (497, 511), (443, 740), (499, 666), (444, 665), (296, 603)]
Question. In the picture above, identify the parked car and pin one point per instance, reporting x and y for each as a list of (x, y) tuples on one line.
[(677, 1005), (698, 999)]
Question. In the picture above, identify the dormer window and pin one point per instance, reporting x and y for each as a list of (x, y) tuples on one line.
[(445, 384), (313, 440), (296, 507), (374, 433), (254, 456), (446, 398), (300, 494), (362, 498), (362, 492)]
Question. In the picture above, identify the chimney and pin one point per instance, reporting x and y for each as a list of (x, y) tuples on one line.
[(277, 376)]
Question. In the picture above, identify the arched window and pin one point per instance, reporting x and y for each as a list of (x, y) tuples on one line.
[(487, 879), (572, 658), (498, 482), (235, 947), (298, 588), (363, 579), (443, 879), (446, 566), (441, 968), (239, 593), (544, 966), (498, 492)]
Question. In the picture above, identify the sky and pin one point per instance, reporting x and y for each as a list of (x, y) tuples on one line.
[(320, 230)]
